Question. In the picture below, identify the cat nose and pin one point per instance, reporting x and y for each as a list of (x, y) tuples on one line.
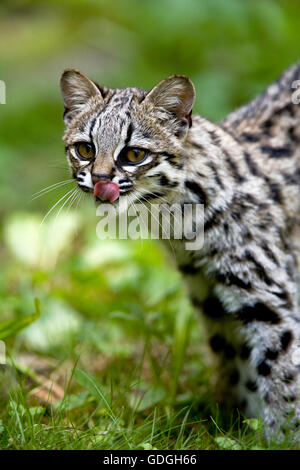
[(96, 177)]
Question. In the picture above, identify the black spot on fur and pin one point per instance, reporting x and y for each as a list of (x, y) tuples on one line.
[(276, 152), (229, 351), (263, 369), (230, 279), (251, 385), (283, 295), (271, 354), (275, 192), (250, 137), (146, 135), (288, 377), (196, 189), (234, 169), (213, 308), (245, 351), (292, 134), (249, 198), (258, 312), (216, 175), (217, 343), (285, 339), (287, 108), (252, 165), (234, 377), (269, 252), (188, 269), (293, 179), (260, 270), (267, 126), (290, 271), (164, 181), (199, 146), (215, 138), (267, 398), (214, 220)]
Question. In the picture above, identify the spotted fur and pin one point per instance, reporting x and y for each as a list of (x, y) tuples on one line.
[(246, 172)]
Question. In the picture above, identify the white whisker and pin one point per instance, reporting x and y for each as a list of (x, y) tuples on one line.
[(73, 199), (53, 207), (163, 231), (65, 202), (80, 196), (150, 192), (51, 188)]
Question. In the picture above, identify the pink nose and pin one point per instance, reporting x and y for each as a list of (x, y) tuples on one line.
[(106, 191)]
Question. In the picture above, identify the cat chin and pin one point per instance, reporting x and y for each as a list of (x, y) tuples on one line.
[(120, 205)]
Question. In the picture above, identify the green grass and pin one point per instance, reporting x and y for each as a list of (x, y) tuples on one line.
[(114, 357)]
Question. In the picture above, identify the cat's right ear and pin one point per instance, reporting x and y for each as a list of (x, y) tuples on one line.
[(176, 95), (76, 89)]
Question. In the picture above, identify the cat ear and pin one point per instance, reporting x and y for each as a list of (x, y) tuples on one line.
[(76, 89), (175, 94)]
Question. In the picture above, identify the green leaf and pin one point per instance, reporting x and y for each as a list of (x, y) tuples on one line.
[(147, 446), (227, 444), (145, 396), (37, 410), (72, 401), (93, 385), (254, 424), (54, 329), (42, 243), (13, 327)]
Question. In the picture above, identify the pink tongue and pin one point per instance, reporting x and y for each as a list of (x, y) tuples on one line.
[(106, 190)]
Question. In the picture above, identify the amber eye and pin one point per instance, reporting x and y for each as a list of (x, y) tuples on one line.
[(85, 150), (134, 155)]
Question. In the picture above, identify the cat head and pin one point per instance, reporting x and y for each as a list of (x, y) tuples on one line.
[(126, 142)]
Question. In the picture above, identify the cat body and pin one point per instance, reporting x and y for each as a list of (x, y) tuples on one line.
[(246, 172)]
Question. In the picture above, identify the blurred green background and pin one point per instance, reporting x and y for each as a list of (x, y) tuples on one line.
[(119, 306), (231, 49)]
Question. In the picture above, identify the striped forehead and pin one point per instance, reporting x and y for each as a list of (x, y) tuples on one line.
[(110, 125)]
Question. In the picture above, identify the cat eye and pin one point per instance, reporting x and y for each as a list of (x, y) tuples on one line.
[(132, 155), (85, 150)]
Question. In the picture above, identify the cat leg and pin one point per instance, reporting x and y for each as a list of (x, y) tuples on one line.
[(258, 349)]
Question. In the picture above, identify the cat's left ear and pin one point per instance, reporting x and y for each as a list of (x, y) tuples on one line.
[(176, 95)]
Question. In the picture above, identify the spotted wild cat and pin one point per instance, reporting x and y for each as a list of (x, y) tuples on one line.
[(246, 172)]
